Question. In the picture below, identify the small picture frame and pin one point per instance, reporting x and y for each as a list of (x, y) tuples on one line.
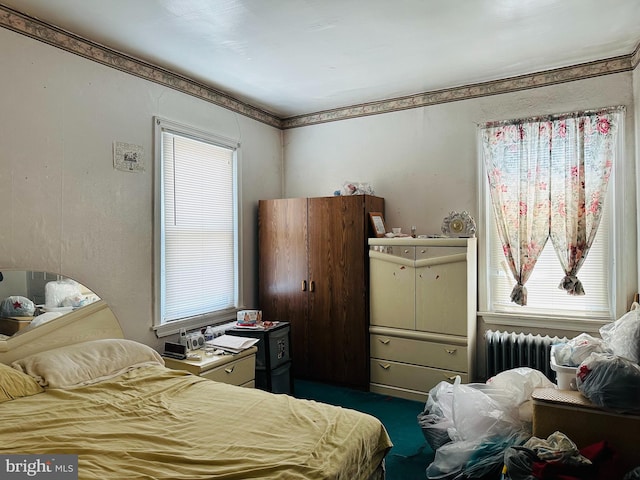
[(377, 222)]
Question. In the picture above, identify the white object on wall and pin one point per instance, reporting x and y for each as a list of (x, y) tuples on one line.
[(128, 157)]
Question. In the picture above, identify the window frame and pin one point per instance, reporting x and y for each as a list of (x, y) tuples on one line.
[(162, 125), (561, 320)]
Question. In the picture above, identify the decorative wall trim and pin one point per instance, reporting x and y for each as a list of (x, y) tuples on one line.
[(31, 27), (38, 30), (635, 57), (496, 87)]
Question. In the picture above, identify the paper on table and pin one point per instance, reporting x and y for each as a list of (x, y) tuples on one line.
[(232, 343)]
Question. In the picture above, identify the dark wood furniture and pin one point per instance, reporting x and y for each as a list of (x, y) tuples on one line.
[(273, 359), (314, 274)]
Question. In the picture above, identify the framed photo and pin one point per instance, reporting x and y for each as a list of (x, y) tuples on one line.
[(377, 222)]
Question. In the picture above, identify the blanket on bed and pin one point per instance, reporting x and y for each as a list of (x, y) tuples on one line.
[(153, 422)]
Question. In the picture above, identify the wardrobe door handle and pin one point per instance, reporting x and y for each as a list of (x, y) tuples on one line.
[(303, 286), (312, 286)]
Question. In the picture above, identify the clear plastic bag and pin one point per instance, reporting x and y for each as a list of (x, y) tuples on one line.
[(611, 382), (623, 335), (436, 418), (576, 350), (485, 421), (356, 188)]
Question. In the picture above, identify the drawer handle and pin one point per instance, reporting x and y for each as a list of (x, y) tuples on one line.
[(385, 366), (451, 378), (451, 351), (384, 341), (229, 369)]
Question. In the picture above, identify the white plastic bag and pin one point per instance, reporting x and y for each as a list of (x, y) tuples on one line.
[(576, 350), (520, 382), (17, 306), (623, 335), (486, 420)]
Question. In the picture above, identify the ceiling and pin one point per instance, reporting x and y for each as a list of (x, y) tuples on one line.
[(296, 57)]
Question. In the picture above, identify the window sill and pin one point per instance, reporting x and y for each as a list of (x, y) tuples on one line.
[(194, 323), (556, 322)]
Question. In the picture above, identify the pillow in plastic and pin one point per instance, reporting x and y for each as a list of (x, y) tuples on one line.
[(87, 362), (15, 384)]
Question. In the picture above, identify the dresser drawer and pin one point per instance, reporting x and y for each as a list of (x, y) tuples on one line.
[(237, 372), (433, 354), (413, 377)]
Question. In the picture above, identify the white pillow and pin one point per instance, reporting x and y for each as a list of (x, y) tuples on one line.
[(87, 362)]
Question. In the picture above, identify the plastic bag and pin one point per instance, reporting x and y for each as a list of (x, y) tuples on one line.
[(485, 421), (520, 382), (610, 381), (62, 293), (17, 306), (576, 350), (356, 188), (436, 418), (623, 335)]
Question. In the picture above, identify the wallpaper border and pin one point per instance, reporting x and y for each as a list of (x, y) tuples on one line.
[(38, 30), (56, 37)]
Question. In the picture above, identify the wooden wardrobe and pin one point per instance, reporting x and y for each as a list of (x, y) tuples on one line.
[(314, 273)]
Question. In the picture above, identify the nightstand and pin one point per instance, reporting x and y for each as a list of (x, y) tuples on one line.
[(237, 369)]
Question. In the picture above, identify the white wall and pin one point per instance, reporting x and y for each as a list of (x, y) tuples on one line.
[(424, 161), (636, 96), (65, 209)]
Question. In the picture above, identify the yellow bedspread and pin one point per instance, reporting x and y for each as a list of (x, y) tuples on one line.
[(154, 422)]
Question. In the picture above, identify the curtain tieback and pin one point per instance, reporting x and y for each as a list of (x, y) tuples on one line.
[(519, 295), (572, 285)]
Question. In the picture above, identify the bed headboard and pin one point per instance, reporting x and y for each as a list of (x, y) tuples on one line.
[(92, 322)]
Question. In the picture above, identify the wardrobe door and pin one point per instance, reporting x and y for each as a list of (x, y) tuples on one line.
[(283, 272), (337, 306)]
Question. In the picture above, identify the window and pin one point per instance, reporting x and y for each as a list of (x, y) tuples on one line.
[(196, 228), (598, 274)]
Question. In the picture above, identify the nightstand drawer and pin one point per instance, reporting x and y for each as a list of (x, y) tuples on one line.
[(419, 352), (237, 372)]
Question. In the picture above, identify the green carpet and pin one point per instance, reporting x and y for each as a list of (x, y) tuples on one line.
[(410, 455)]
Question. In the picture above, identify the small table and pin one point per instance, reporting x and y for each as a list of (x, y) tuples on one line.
[(237, 369), (584, 423)]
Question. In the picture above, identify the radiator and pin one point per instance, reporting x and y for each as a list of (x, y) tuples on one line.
[(507, 350)]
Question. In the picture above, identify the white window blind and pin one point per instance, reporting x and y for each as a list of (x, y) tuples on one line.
[(198, 259), (543, 294)]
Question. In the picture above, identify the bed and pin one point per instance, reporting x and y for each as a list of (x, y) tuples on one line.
[(75, 386)]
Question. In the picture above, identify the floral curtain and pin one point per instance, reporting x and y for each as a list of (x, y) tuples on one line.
[(583, 149), (548, 179), (518, 173)]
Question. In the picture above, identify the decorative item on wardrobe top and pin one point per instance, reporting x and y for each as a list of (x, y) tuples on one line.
[(459, 224)]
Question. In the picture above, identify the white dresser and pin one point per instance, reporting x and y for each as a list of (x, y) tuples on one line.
[(423, 313)]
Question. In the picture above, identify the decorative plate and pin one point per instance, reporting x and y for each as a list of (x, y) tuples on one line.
[(459, 224)]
